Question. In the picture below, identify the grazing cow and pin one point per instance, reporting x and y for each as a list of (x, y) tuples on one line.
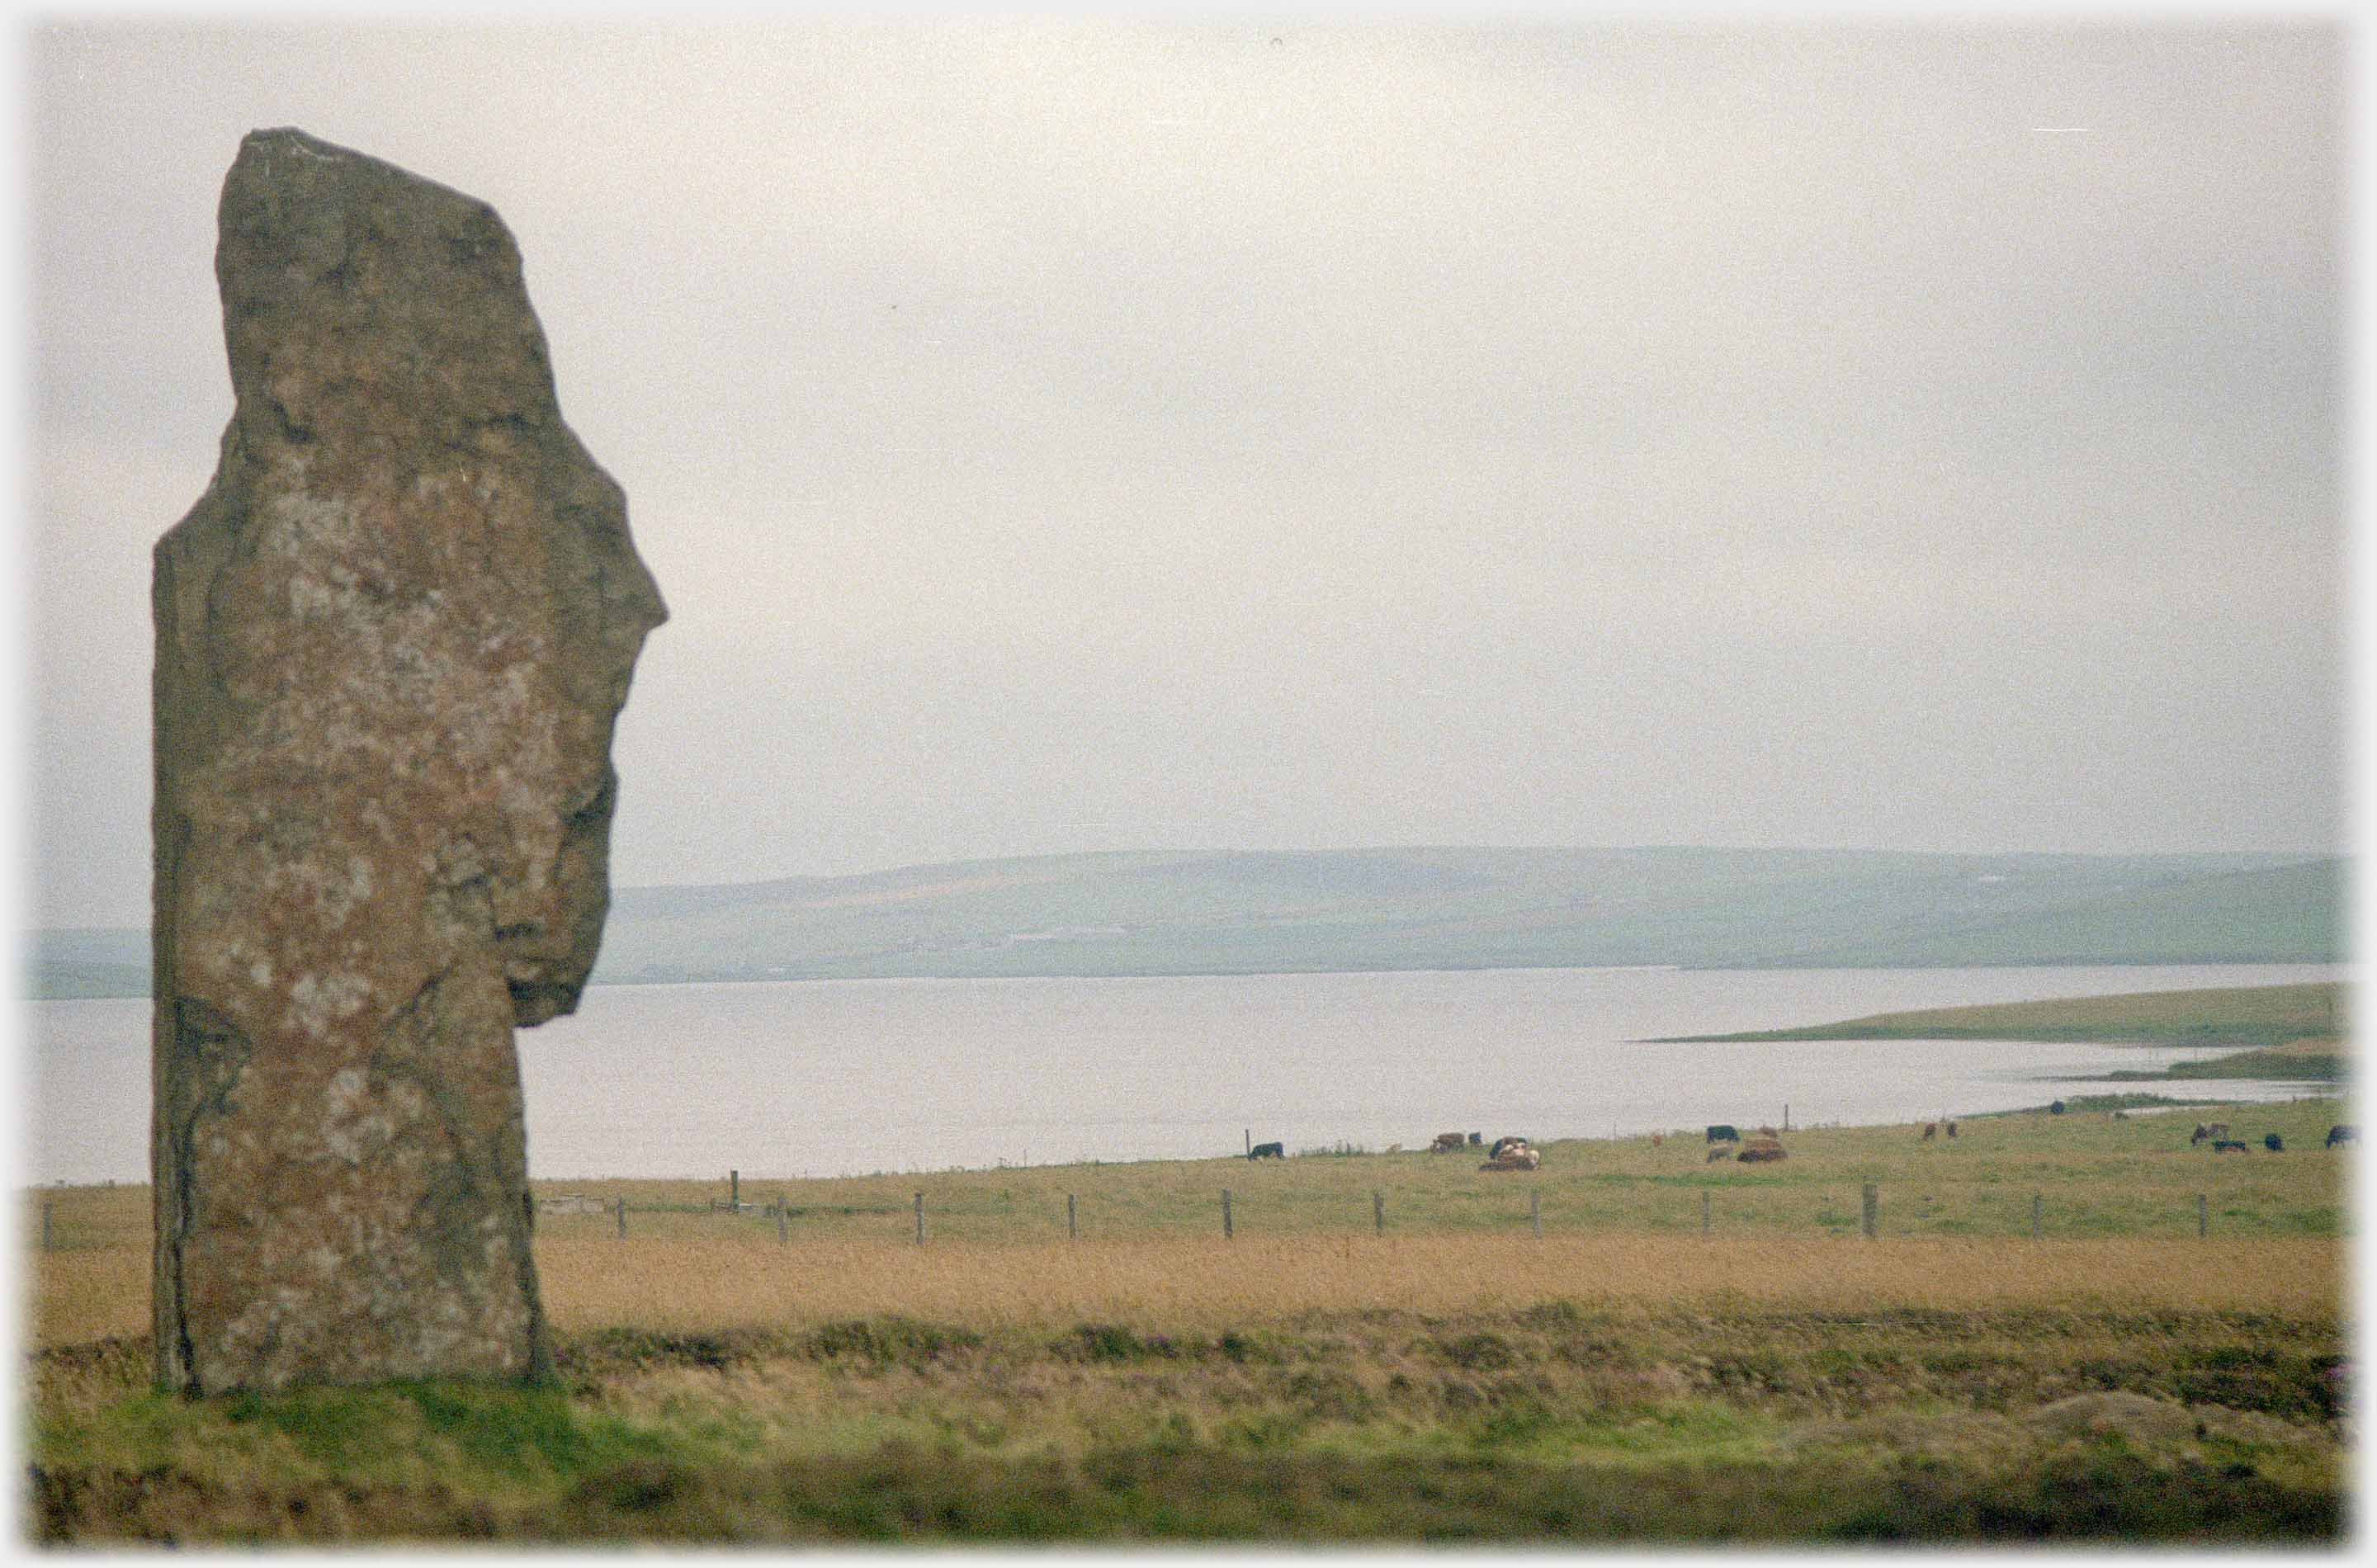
[(2275, 1143), (2223, 1145), (1763, 1149), (1517, 1157), (1931, 1131), (1446, 1142), (2202, 1132), (1267, 1152), (1718, 1154), (2216, 1129), (2340, 1133), (1508, 1141), (1721, 1134), (1952, 1129)]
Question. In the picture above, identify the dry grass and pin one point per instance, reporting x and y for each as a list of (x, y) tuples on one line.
[(1206, 1286), (680, 1284)]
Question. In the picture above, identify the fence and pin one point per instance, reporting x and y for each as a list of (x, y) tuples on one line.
[(74, 1221), (781, 1210)]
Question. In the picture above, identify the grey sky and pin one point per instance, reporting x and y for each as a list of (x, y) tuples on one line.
[(1075, 435)]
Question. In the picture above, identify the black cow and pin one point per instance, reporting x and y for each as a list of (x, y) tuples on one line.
[(1501, 1143), (2055, 1109), (1721, 1134), (2223, 1145), (1475, 1139), (1267, 1152), (2342, 1134), (2275, 1143)]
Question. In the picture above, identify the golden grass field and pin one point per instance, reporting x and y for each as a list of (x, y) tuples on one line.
[(1623, 1377), (1172, 1285), (1620, 1218)]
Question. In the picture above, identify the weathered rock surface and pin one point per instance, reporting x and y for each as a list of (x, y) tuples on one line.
[(392, 639)]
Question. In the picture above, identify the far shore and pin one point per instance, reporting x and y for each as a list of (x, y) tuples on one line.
[(2300, 1031)]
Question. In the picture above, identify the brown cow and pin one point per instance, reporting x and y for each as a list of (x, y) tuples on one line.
[(1931, 1131), (1448, 1142), (1518, 1157)]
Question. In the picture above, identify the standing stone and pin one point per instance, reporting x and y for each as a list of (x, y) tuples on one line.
[(392, 639)]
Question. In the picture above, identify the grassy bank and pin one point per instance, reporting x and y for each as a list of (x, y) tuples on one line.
[(1623, 1378), (2293, 1031)]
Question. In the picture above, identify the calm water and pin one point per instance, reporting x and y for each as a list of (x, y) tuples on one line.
[(846, 1077)]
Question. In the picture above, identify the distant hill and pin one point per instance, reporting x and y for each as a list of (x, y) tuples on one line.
[(1158, 913)]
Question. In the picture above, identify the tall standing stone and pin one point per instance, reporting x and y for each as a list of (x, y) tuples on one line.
[(392, 639)]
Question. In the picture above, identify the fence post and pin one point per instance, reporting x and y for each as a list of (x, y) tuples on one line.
[(2203, 1215), (1378, 1210), (1225, 1214), (1536, 1212), (1251, 1142), (1704, 1213), (784, 1221), (45, 1225), (1072, 1223), (734, 1191), (623, 1218), (2038, 1208), (920, 1219), (1872, 1207)]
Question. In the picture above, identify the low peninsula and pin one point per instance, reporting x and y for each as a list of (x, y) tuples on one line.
[(2271, 1031)]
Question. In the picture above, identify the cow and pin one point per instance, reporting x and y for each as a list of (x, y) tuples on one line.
[(1446, 1142), (1763, 1149), (2055, 1109), (1517, 1157), (1952, 1129), (2223, 1145), (2275, 1143), (1508, 1141), (1718, 1154), (2216, 1129), (1721, 1134), (1475, 1139), (1931, 1131), (1267, 1152), (2202, 1132), (1394, 1148), (1657, 1139), (2340, 1133)]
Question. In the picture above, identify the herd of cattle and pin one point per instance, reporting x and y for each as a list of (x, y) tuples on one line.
[(2216, 1134), (1726, 1142), (1507, 1153), (1765, 1144)]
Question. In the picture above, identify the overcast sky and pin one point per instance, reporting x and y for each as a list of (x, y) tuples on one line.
[(1083, 435)]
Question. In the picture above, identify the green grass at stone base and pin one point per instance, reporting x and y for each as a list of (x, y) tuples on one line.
[(1559, 1422)]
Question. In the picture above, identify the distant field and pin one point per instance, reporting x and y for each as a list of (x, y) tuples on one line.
[(2296, 1030), (1623, 1378)]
